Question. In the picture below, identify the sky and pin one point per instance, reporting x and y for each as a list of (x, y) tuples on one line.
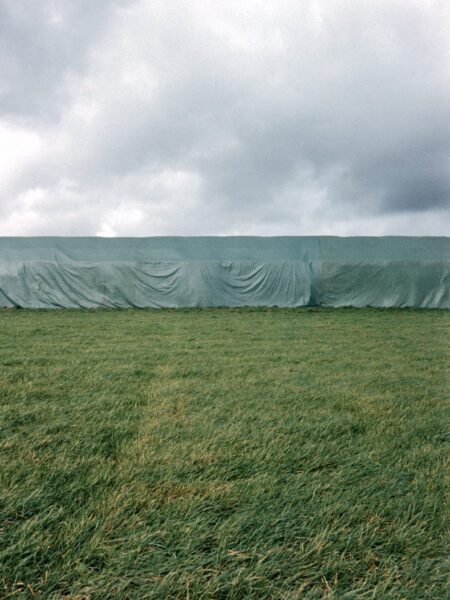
[(214, 117)]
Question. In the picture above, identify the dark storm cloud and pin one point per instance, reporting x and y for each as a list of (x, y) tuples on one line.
[(140, 118)]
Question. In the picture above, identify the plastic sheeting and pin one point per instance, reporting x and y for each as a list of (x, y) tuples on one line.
[(49, 272)]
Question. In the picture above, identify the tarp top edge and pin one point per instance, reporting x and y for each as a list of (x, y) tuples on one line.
[(221, 237), (307, 248)]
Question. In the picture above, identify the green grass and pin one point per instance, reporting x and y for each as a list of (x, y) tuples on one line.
[(223, 454)]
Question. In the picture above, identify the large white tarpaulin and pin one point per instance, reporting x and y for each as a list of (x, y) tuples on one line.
[(77, 272)]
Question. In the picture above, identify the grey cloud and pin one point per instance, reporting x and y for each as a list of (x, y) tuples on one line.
[(256, 112), (41, 43)]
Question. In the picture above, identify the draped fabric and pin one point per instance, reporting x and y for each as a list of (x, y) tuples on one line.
[(50, 272)]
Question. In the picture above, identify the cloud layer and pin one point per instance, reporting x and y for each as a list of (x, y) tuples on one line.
[(220, 118)]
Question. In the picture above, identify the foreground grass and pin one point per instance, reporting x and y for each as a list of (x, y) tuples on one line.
[(223, 454)]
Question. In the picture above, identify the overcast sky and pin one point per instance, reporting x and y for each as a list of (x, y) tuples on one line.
[(224, 117)]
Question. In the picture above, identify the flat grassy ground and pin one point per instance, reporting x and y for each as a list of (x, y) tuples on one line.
[(223, 454)]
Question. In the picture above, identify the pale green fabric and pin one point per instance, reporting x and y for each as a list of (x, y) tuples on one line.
[(48, 272)]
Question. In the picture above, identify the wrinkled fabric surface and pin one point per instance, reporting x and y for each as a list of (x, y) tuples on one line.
[(51, 272)]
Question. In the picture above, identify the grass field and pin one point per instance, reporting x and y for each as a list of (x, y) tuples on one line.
[(223, 454)]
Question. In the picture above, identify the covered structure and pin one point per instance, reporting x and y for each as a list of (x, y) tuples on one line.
[(87, 272)]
